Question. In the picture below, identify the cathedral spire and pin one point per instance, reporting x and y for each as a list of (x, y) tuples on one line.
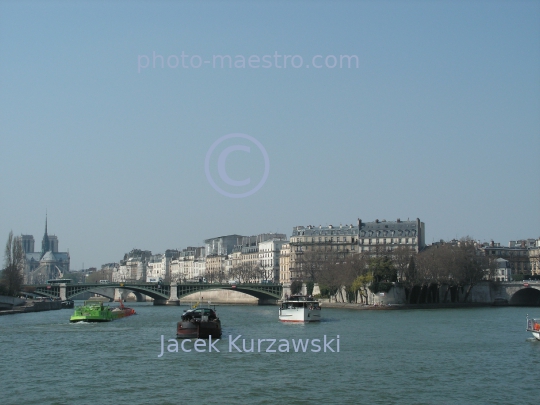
[(45, 244)]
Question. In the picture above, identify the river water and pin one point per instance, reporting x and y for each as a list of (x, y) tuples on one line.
[(446, 356)]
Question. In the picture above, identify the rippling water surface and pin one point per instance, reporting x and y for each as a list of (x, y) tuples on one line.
[(449, 356)]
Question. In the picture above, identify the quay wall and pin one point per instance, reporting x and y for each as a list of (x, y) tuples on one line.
[(483, 293), (221, 297), (35, 306), (11, 301)]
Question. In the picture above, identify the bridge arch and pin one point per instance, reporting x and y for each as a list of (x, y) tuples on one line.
[(124, 293), (525, 297), (102, 292), (264, 293)]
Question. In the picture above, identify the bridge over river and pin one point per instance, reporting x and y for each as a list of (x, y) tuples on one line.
[(525, 293), (516, 293), (163, 294)]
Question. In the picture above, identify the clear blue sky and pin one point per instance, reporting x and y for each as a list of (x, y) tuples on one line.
[(440, 120)]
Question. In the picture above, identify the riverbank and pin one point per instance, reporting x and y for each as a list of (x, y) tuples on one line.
[(33, 306), (345, 305)]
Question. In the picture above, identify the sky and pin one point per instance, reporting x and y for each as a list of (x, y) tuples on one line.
[(119, 122)]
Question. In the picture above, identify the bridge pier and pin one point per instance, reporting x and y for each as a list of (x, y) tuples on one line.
[(173, 297), (63, 295), (286, 291)]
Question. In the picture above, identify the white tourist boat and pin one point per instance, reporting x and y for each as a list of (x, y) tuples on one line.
[(533, 325), (300, 308)]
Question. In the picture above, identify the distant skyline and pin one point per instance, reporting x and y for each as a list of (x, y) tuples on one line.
[(38, 240), (438, 120)]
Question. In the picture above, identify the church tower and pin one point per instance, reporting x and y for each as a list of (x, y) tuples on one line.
[(45, 246)]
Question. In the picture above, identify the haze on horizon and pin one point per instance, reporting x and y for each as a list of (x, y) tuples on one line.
[(440, 120)]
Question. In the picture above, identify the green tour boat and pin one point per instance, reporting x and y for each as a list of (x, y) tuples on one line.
[(95, 311)]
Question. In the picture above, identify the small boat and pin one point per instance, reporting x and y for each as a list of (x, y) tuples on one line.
[(95, 311), (199, 323), (68, 304), (533, 325), (300, 308)]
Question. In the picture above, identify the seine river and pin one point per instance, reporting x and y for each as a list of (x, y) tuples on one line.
[(447, 356)]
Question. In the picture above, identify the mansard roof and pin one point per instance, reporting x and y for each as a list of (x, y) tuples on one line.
[(400, 227)]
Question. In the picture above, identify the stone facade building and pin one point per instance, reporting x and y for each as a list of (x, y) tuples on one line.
[(159, 266), (285, 264), (269, 253), (364, 237), (534, 258), (222, 245), (189, 266), (503, 270), (133, 267), (215, 267), (522, 255)]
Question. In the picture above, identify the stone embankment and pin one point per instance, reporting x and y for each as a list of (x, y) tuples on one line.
[(220, 297), (32, 306), (345, 305)]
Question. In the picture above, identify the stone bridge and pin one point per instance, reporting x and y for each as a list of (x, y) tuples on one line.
[(524, 293), (163, 294)]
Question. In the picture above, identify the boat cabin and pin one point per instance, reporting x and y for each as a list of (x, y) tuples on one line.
[(300, 301), (199, 313)]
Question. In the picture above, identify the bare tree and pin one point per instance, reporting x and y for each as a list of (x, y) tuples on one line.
[(425, 265), (329, 276), (103, 274), (451, 264), (401, 257), (245, 272), (265, 273), (472, 266), (310, 263), (213, 274), (358, 277), (350, 268), (12, 275)]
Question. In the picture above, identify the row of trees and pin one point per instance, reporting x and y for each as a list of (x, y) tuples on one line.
[(250, 273), (12, 274), (447, 266), (243, 273)]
